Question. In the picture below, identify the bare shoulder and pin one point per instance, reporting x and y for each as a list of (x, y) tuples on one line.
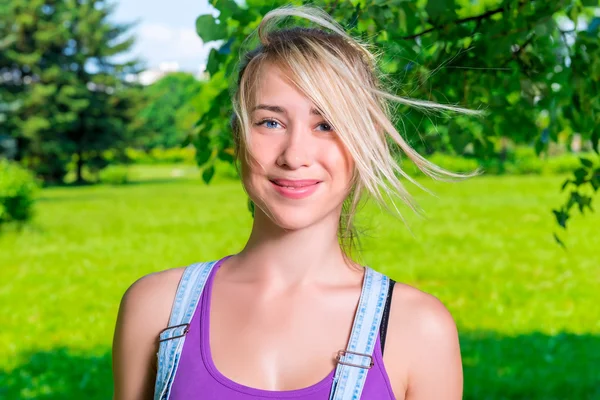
[(153, 292), (421, 312), (144, 311), (146, 305), (422, 352)]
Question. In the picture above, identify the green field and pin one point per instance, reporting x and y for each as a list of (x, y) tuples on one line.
[(528, 311)]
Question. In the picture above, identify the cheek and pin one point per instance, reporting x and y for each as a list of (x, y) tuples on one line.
[(264, 151), (249, 168), (253, 168), (340, 163)]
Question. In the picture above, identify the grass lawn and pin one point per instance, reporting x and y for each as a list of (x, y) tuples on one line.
[(527, 310)]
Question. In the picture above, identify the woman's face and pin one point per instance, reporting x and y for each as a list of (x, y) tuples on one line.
[(306, 171)]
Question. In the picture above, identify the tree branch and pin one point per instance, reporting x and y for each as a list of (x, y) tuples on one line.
[(333, 7), (516, 55), (477, 18)]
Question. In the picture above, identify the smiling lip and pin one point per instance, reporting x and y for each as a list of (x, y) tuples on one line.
[(295, 189)]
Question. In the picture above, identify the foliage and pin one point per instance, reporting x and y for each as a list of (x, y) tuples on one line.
[(520, 161), (18, 188), (534, 66), (168, 116), (526, 310), (567, 163), (584, 184), (450, 162), (114, 175), (159, 155), (63, 93)]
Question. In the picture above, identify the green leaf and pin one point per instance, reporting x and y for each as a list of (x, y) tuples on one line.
[(215, 60), (226, 155), (561, 218), (209, 30), (441, 10), (203, 149), (251, 206), (228, 8), (586, 162), (595, 181), (208, 174), (596, 174), (560, 242), (580, 174), (583, 202), (186, 141), (595, 140)]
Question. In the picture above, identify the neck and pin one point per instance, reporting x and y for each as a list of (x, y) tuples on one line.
[(294, 257)]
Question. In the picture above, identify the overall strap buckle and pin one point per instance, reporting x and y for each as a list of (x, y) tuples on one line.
[(176, 331), (343, 354)]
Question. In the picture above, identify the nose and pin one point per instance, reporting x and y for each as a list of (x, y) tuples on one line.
[(296, 151)]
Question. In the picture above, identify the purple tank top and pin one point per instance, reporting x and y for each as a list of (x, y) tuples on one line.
[(197, 377)]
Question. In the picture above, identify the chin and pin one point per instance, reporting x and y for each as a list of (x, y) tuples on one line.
[(291, 219), (293, 214)]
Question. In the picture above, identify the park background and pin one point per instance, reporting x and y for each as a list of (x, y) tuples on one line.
[(116, 161)]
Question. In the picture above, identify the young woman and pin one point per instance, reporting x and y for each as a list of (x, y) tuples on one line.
[(272, 321)]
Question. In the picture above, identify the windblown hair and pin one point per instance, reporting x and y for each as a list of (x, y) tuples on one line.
[(340, 76)]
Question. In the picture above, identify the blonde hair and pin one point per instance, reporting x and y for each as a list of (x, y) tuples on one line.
[(339, 75)]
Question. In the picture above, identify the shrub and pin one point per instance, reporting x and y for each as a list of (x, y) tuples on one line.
[(446, 161), (454, 163), (114, 175), (519, 161), (565, 164), (160, 155), (524, 161), (18, 188)]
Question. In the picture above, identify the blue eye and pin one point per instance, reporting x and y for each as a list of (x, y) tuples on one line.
[(268, 123), (273, 124), (328, 128)]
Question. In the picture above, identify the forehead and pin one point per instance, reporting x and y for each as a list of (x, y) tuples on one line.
[(275, 87)]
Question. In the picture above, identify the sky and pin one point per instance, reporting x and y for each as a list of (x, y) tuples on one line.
[(166, 31)]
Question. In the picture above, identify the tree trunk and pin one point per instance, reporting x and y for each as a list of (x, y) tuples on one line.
[(79, 165)]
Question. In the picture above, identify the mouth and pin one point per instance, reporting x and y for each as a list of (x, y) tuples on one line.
[(294, 184), (295, 189)]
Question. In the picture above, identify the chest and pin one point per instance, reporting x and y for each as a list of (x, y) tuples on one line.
[(278, 341)]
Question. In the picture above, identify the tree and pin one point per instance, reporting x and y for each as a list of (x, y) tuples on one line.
[(168, 116), (64, 95), (534, 66)]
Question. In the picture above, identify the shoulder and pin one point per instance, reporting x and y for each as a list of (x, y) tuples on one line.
[(422, 351), (424, 314), (144, 311), (146, 305), (152, 292)]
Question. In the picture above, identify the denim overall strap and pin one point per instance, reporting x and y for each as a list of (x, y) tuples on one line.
[(171, 339), (357, 359)]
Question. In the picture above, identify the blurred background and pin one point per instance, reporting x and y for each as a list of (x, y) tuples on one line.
[(116, 161)]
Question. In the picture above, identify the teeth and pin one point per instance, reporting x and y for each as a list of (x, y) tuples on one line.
[(290, 187)]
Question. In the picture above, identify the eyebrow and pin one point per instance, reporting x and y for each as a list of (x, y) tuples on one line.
[(281, 110)]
